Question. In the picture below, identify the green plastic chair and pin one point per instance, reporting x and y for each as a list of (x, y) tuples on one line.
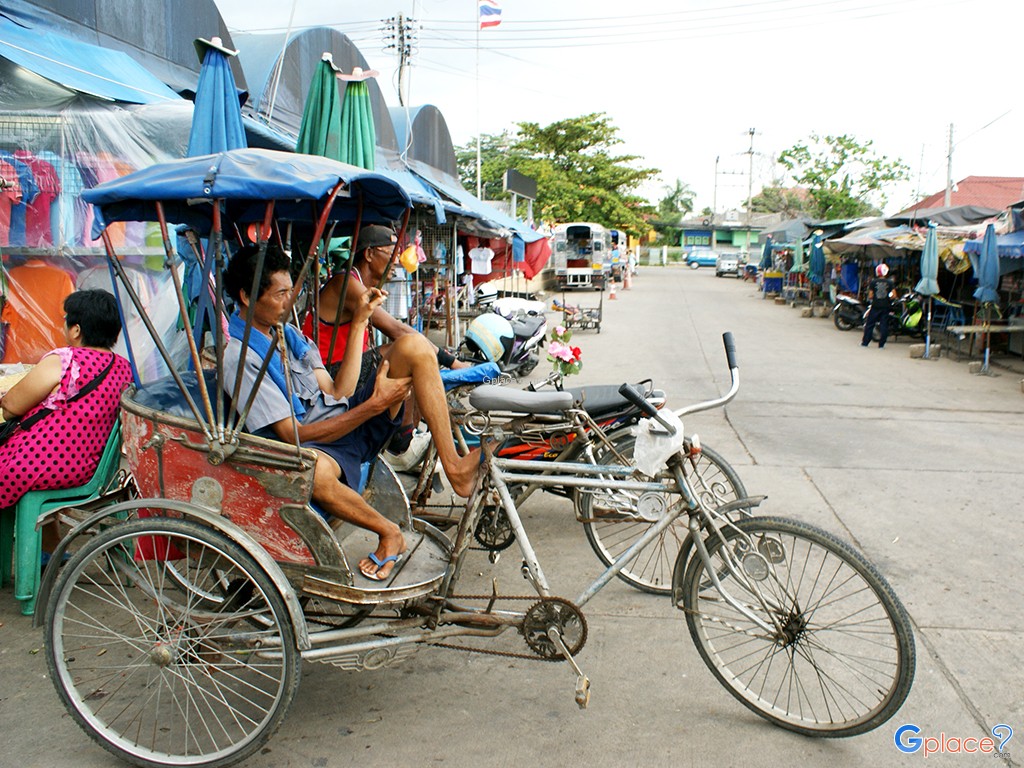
[(18, 533)]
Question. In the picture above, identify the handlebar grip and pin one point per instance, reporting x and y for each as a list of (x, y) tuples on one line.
[(634, 396), (730, 349)]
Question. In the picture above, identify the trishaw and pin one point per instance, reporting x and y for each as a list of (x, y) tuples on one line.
[(176, 632)]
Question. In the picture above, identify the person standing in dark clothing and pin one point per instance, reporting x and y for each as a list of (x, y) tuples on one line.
[(881, 292)]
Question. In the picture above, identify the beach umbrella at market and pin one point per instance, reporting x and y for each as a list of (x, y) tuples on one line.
[(766, 254), (817, 262), (798, 257), (320, 129), (216, 127), (217, 116), (988, 282), (928, 285), (358, 133)]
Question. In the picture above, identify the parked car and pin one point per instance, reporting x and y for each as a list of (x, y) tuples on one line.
[(701, 257), (728, 264)]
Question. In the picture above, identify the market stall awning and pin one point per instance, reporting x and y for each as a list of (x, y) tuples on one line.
[(1008, 246), (81, 67), (875, 244), (948, 216)]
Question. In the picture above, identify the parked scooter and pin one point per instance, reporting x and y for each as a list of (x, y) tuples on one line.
[(848, 312), (906, 318), (512, 342)]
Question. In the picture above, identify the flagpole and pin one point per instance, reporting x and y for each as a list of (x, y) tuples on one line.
[(479, 184)]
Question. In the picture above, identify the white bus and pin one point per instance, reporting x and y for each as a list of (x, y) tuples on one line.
[(581, 254)]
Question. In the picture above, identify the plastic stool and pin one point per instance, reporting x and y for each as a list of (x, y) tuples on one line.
[(21, 532)]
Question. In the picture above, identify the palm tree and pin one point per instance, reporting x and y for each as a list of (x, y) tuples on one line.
[(677, 202)]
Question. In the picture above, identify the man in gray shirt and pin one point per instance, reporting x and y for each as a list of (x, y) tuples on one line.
[(345, 425)]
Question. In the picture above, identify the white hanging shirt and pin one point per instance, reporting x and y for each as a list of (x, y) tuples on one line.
[(480, 260)]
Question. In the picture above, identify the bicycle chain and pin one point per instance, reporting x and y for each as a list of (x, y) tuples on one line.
[(485, 651)]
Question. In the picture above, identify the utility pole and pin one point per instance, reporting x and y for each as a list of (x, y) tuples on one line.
[(948, 199), (402, 34), (750, 185), (714, 207)]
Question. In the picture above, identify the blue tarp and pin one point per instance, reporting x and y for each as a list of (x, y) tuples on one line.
[(458, 201), (245, 178), (81, 67), (1009, 246)]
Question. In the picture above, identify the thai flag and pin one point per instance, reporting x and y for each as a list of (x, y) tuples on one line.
[(490, 13)]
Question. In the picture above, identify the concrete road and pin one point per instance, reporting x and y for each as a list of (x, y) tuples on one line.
[(918, 463)]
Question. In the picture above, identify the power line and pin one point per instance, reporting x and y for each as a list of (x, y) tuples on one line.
[(722, 28)]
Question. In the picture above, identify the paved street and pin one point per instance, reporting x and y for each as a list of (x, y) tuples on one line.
[(919, 463)]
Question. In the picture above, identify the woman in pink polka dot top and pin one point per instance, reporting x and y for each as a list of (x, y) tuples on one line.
[(62, 449)]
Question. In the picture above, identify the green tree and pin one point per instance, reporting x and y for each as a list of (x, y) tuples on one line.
[(790, 203), (671, 210), (843, 177), (579, 175), (677, 202)]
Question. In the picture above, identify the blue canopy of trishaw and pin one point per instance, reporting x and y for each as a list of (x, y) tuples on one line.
[(246, 179)]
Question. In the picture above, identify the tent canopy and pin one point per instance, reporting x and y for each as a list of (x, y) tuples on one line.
[(949, 216), (245, 179), (79, 66), (1009, 246)]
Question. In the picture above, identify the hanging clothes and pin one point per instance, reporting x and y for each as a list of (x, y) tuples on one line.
[(34, 310), (480, 259)]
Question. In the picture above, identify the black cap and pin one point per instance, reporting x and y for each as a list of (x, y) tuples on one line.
[(373, 235)]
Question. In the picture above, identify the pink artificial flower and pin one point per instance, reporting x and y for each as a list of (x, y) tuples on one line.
[(560, 351), (559, 330)]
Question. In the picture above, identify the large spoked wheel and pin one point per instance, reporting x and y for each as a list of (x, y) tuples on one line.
[(614, 520), (155, 638), (839, 659)]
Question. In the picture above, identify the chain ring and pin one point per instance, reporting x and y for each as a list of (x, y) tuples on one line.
[(554, 612), (494, 530)]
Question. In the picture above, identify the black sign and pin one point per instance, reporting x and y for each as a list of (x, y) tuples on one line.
[(522, 185)]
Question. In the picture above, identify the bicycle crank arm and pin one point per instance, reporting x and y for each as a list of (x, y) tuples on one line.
[(582, 681)]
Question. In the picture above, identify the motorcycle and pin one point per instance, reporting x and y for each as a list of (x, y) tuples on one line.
[(848, 312), (906, 318), (509, 337)]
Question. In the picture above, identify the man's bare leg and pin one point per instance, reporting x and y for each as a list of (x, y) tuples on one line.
[(413, 356), (346, 504)]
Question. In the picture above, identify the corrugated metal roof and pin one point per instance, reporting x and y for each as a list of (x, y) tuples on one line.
[(996, 192)]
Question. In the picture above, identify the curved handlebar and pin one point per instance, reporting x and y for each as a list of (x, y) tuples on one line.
[(730, 349), (634, 396), (734, 374)]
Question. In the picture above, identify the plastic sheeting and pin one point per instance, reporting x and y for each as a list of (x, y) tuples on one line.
[(47, 160)]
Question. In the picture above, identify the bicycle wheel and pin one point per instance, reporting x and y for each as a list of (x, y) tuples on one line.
[(162, 666), (612, 520), (840, 659)]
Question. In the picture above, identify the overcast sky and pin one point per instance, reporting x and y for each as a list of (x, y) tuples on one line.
[(685, 80)]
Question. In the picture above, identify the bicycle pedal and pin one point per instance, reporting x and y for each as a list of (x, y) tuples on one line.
[(582, 691)]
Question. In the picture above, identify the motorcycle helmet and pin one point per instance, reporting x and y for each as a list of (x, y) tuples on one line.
[(881, 270), (486, 293), (491, 335)]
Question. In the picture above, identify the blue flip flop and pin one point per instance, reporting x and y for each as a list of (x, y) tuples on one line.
[(380, 563)]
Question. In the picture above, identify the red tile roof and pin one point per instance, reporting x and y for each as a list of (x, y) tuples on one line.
[(987, 191)]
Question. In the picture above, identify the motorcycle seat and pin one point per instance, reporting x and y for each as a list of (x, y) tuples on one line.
[(601, 399), (490, 397), (526, 326)]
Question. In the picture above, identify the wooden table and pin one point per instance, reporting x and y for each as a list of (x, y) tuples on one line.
[(974, 331)]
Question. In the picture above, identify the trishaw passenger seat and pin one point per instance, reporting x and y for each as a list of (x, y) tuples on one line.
[(165, 394)]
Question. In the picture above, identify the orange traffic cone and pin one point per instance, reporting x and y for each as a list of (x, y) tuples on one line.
[(611, 290), (627, 279)]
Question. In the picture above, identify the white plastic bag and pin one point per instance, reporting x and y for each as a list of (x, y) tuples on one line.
[(654, 447)]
